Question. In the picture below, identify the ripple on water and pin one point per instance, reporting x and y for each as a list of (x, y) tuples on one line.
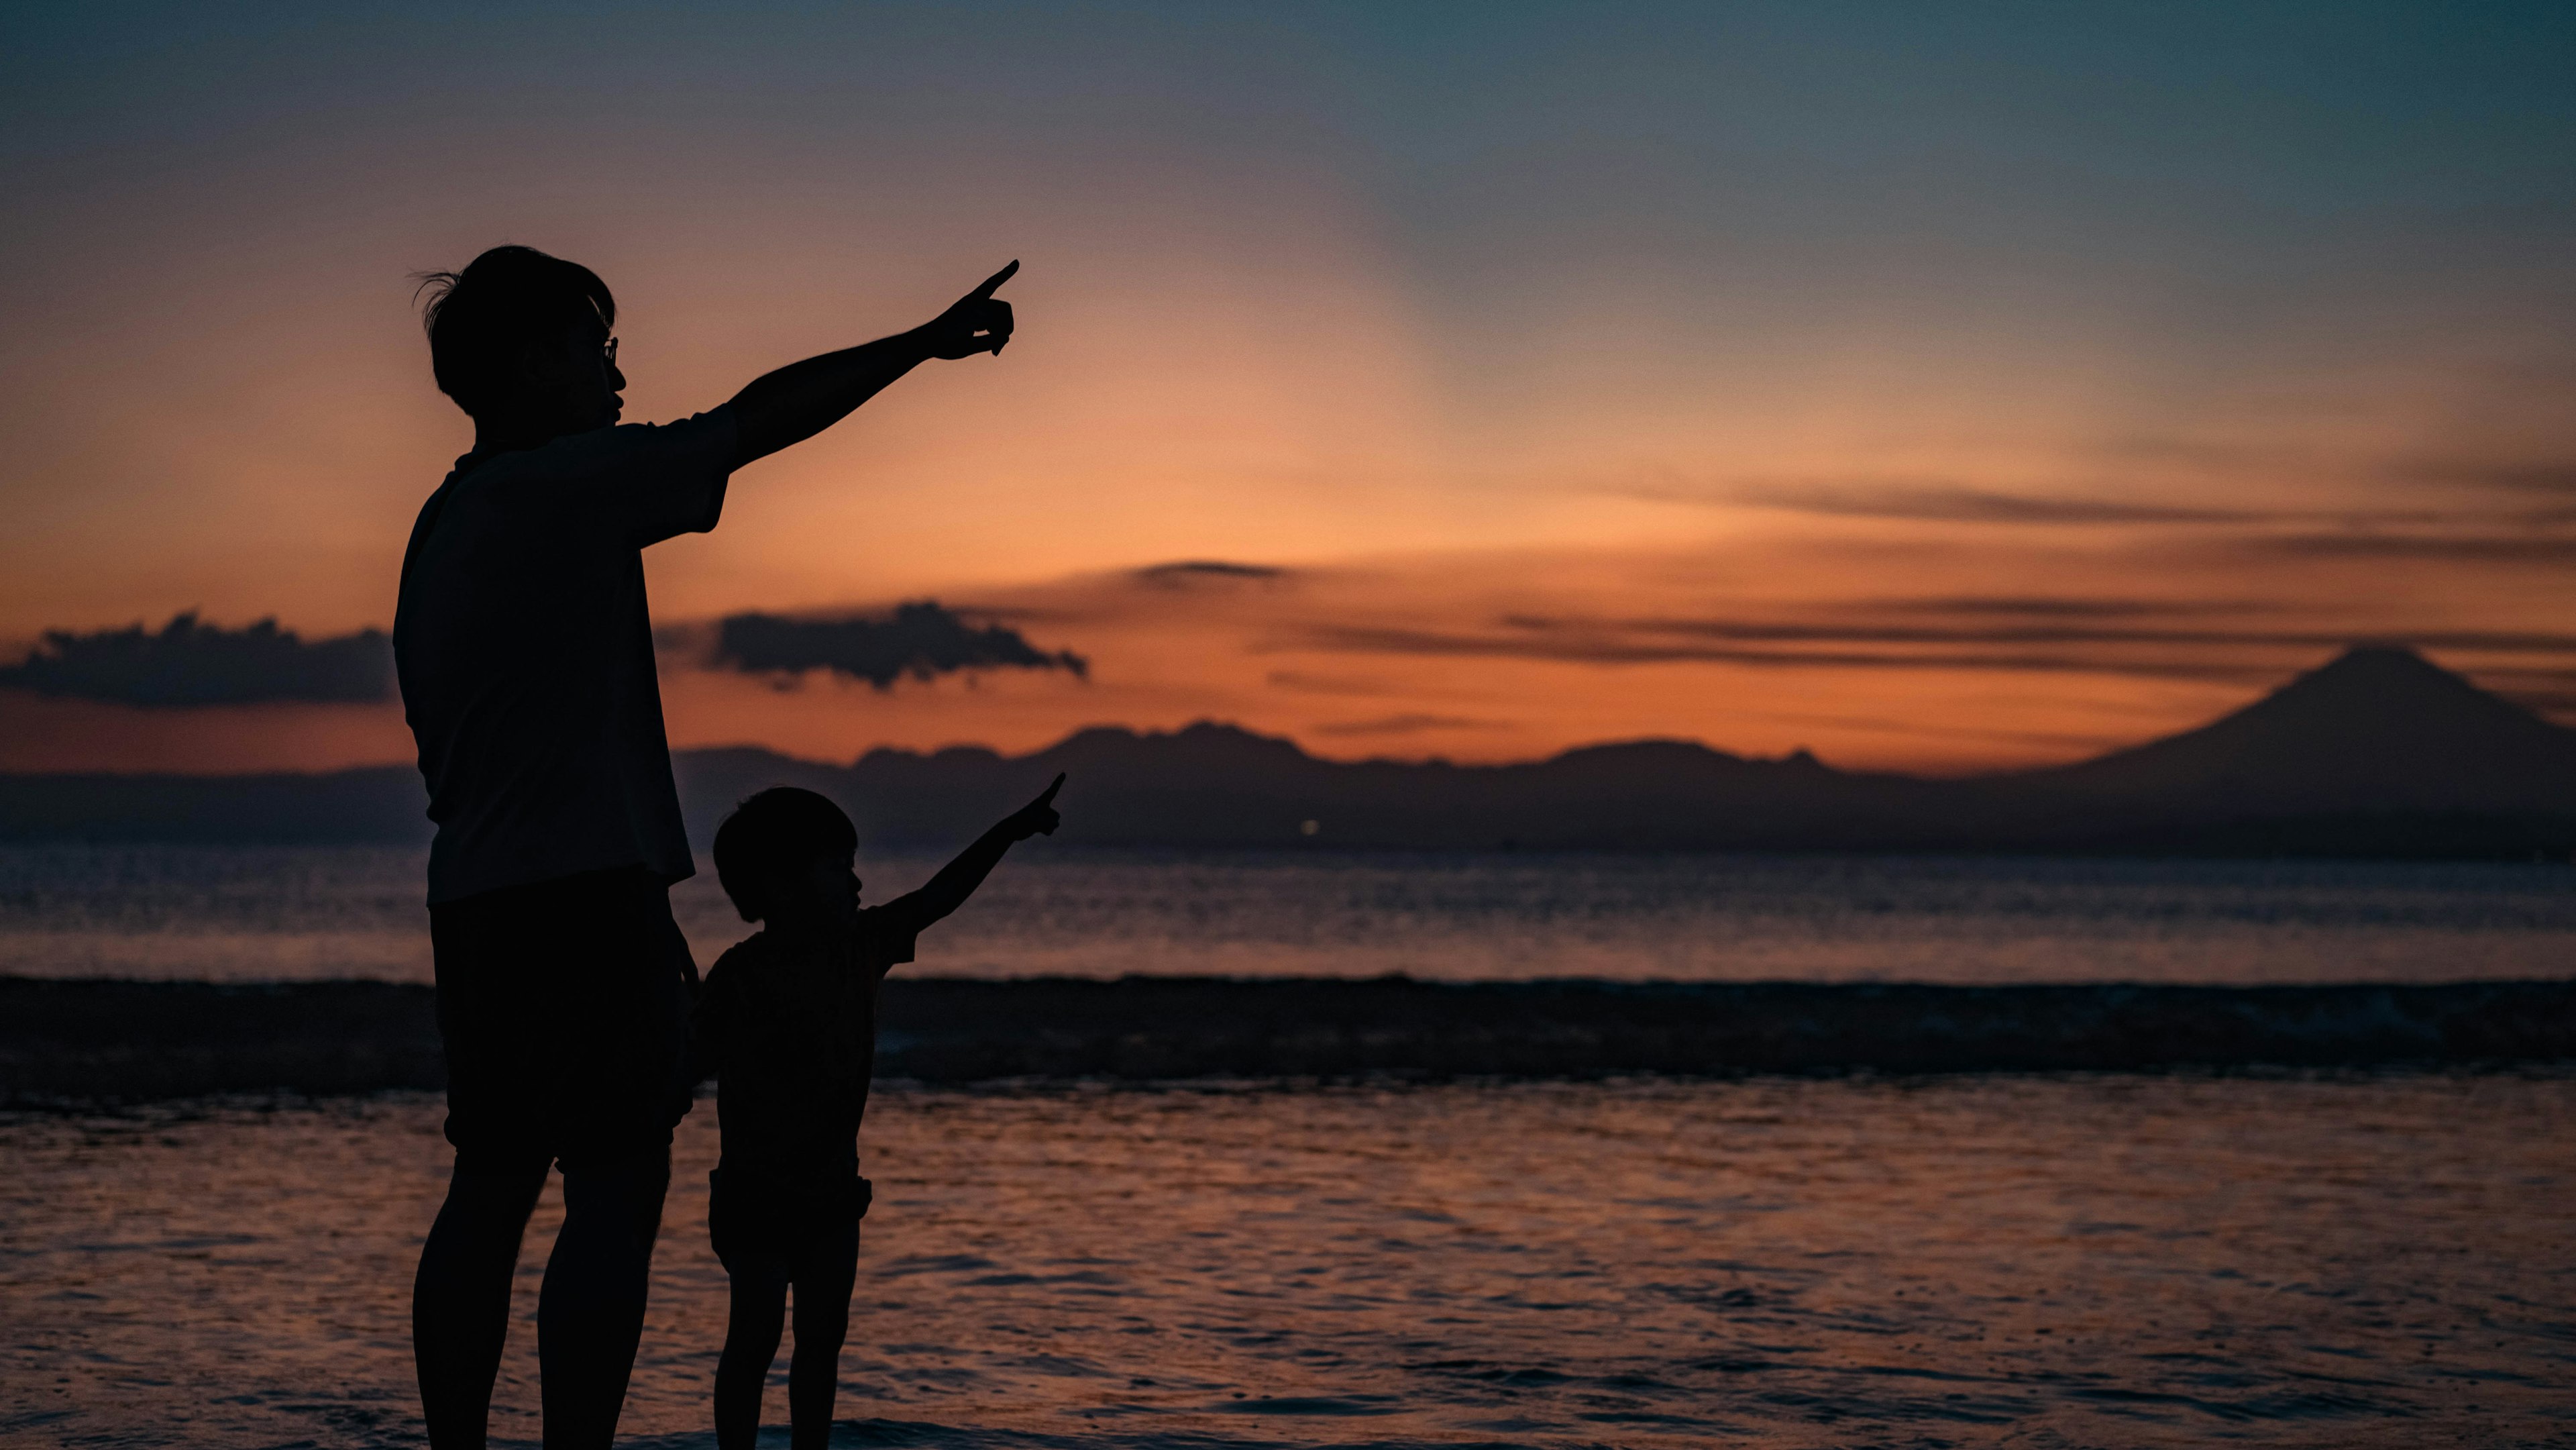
[(2099, 1260), (266, 913)]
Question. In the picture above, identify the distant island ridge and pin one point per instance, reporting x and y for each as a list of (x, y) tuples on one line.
[(2379, 753)]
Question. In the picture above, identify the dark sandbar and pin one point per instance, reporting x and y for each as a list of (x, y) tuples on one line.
[(107, 1041)]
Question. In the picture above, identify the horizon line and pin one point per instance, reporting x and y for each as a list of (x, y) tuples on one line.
[(1789, 758)]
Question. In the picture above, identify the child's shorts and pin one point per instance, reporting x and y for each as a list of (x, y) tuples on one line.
[(770, 1220)]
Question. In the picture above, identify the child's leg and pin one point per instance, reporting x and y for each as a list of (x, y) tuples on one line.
[(751, 1344), (824, 1274)]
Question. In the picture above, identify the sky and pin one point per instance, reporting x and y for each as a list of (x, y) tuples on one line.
[(1936, 388)]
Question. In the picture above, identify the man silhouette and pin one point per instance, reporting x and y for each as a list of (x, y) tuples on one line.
[(525, 653)]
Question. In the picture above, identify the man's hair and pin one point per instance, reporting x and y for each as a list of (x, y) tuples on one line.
[(480, 319), (782, 829)]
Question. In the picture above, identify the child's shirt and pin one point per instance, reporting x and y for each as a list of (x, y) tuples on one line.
[(790, 1030)]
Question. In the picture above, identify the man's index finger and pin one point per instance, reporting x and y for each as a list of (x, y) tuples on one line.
[(1049, 793), (996, 280)]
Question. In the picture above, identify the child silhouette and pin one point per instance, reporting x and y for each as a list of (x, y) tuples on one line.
[(788, 1025)]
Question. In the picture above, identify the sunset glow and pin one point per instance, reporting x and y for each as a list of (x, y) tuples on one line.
[(1541, 380)]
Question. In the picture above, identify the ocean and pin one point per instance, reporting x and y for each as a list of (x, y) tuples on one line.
[(2326, 1256), (313, 913), (2057, 1261)]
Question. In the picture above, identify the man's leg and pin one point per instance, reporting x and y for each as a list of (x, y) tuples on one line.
[(461, 1297), (591, 1313), (460, 1308), (619, 1049)]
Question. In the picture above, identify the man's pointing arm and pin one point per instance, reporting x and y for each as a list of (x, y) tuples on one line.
[(786, 407)]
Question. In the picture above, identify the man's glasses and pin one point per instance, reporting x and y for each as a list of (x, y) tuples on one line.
[(608, 352)]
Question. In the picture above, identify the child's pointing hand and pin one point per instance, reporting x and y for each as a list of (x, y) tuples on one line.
[(1038, 817)]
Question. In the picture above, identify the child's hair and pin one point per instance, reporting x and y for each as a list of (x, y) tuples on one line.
[(779, 830)]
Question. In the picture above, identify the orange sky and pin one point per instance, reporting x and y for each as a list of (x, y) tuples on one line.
[(1914, 422)]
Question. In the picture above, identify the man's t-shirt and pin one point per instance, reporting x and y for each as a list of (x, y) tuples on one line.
[(790, 1032), (526, 653)]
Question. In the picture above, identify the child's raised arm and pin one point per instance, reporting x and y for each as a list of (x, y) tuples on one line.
[(958, 879)]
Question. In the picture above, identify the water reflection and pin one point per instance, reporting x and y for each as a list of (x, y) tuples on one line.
[(2134, 1261), (286, 913)]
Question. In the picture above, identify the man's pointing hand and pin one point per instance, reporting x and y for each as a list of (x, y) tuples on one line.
[(979, 322)]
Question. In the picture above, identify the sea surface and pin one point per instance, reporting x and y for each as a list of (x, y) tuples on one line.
[(2027, 1261), (301, 913), (2046, 1260)]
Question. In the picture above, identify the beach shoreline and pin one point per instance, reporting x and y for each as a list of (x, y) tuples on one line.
[(103, 1041)]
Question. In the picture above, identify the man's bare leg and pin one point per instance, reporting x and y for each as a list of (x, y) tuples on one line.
[(460, 1306), (591, 1313)]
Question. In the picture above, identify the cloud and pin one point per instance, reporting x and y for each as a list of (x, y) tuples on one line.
[(1184, 572), (1615, 651), (2206, 455), (2051, 631), (1883, 726), (2047, 607), (2212, 655), (1960, 504), (922, 640), (1409, 725), (1949, 503), (1314, 684), (2543, 477), (2521, 548), (2540, 641), (189, 663)]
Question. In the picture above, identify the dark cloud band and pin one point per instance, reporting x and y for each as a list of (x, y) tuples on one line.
[(1185, 571), (188, 663), (1409, 724), (2029, 606), (1625, 649), (1948, 503), (922, 640), (2325, 529), (2550, 550)]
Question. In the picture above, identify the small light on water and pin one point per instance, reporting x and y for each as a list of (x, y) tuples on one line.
[(1308, 828)]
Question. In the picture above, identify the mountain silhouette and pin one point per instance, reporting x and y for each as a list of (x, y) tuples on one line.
[(2378, 729), (2379, 752)]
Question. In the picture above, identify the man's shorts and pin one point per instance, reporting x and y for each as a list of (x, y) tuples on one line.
[(564, 1009)]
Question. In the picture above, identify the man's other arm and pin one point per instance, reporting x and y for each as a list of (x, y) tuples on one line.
[(786, 407)]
